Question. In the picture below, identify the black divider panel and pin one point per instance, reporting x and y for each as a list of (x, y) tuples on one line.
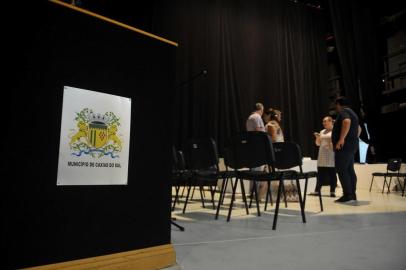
[(43, 223)]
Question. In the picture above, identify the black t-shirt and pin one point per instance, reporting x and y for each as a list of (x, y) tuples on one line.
[(351, 140)]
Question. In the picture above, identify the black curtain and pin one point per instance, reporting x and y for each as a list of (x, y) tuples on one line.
[(355, 29), (254, 51)]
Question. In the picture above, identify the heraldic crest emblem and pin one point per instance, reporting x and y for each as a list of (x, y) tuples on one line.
[(96, 134)]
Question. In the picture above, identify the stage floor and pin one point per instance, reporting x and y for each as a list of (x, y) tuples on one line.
[(370, 234)]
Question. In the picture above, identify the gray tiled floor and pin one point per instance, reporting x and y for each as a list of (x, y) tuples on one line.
[(369, 235)]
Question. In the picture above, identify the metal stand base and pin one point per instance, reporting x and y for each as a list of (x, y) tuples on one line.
[(182, 229)]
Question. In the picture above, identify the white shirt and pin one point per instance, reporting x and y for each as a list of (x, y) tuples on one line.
[(254, 122), (326, 153)]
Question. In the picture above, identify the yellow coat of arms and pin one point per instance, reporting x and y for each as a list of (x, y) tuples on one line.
[(96, 134)]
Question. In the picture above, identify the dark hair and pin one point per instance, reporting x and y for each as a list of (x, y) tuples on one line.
[(273, 113), (329, 118), (343, 101)]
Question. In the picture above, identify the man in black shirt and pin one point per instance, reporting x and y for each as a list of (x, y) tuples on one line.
[(345, 141)]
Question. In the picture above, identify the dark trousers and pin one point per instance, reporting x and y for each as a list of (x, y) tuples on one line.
[(326, 176), (344, 161)]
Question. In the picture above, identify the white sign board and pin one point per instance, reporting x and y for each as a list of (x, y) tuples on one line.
[(95, 138)]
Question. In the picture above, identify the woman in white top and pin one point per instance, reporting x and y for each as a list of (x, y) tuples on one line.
[(273, 128), (325, 161)]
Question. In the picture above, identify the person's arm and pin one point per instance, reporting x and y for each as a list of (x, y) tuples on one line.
[(345, 127), (272, 131), (268, 130), (317, 139), (359, 130)]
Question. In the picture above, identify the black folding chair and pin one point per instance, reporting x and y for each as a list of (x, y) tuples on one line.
[(392, 170), (228, 176), (202, 160), (180, 175), (287, 156), (252, 150)]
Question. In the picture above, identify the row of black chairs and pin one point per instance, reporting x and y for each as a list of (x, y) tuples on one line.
[(392, 171), (197, 166)]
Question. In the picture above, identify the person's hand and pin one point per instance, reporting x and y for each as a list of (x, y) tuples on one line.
[(340, 144)]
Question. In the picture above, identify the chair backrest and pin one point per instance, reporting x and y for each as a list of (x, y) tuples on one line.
[(250, 149), (226, 157), (201, 154), (394, 164), (178, 163), (287, 155), (181, 161), (174, 159)]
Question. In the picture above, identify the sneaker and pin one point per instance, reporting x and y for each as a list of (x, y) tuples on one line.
[(332, 195), (344, 199)]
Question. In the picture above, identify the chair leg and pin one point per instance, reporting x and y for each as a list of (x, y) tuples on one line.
[(212, 197), (399, 183), (193, 193), (372, 180), (390, 182), (301, 201), (176, 197), (221, 198), (244, 197), (232, 185), (232, 201), (215, 189), (187, 197), (270, 195), (404, 186), (284, 195), (256, 198), (180, 195), (384, 184), (251, 196), (278, 199), (267, 196), (305, 191), (224, 190), (201, 189), (183, 191)]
